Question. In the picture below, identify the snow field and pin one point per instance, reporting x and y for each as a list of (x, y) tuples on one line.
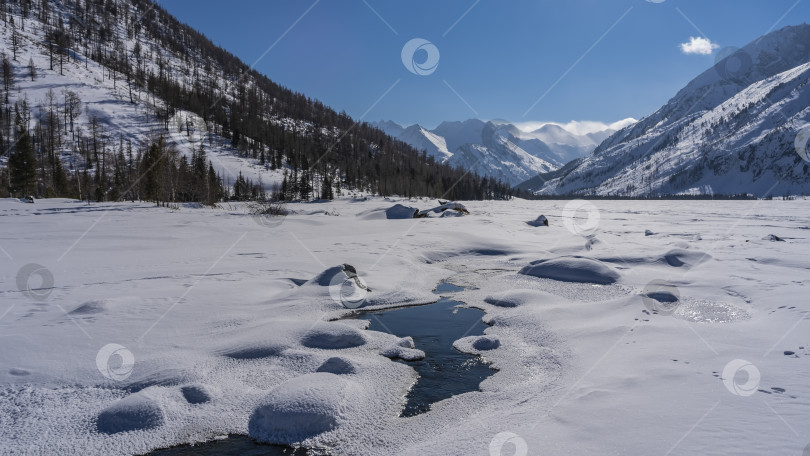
[(229, 324)]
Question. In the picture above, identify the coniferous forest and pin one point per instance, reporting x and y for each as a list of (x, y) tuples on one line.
[(168, 67)]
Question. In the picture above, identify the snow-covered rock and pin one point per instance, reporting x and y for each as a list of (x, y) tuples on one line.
[(399, 212), (539, 221)]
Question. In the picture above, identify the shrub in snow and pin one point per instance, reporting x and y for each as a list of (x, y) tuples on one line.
[(301, 408), (572, 269), (338, 366), (539, 221), (333, 336), (133, 413)]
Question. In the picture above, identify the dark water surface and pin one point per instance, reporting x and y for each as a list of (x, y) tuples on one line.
[(445, 371)]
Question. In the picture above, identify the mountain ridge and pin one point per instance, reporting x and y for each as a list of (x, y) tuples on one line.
[(497, 148), (745, 110)]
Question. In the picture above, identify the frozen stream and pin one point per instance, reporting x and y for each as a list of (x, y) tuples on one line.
[(445, 371)]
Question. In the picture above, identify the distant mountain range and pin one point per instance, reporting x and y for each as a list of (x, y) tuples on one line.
[(498, 148), (732, 130)]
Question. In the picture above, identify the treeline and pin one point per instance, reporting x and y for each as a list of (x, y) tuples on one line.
[(112, 172), (168, 66)]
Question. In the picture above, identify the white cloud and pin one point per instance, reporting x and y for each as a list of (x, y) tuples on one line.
[(698, 45), (577, 127)]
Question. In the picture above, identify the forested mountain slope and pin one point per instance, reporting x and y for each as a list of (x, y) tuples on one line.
[(108, 99)]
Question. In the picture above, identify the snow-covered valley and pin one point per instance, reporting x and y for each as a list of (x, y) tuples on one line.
[(224, 323)]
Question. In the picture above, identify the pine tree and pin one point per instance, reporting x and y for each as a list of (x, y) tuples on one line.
[(22, 163), (152, 167), (326, 189), (32, 70)]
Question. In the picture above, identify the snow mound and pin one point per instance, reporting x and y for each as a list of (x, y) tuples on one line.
[(399, 212), (333, 336), (476, 344), (539, 221), (301, 408), (572, 269), (678, 258), (406, 342), (325, 278), (403, 353), (257, 351), (516, 298), (773, 238), (90, 308), (338, 366), (133, 413), (403, 348), (195, 394)]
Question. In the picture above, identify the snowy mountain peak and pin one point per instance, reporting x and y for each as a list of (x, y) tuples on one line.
[(731, 130), (498, 148)]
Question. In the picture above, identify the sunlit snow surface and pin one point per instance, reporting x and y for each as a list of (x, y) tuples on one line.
[(158, 327)]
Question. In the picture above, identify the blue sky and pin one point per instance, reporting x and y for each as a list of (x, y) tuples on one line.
[(520, 60)]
